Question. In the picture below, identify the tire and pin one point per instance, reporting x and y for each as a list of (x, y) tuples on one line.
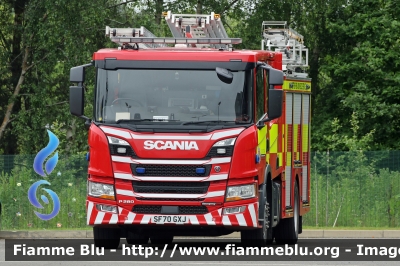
[(107, 238), (260, 236), (287, 232), (161, 239), (136, 238)]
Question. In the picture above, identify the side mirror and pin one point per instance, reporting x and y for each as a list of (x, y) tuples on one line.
[(76, 93), (76, 100), (224, 75), (77, 74), (275, 103), (275, 77)]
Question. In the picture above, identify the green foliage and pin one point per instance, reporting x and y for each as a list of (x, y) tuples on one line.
[(68, 181), (361, 64), (352, 187)]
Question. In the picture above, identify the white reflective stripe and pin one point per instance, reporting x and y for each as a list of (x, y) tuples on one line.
[(127, 135), (161, 178), (99, 218), (175, 196), (114, 219), (145, 219), (225, 220), (288, 183), (172, 196), (165, 137), (199, 162), (170, 161), (116, 132), (209, 219), (124, 176), (217, 177), (121, 159), (125, 192), (220, 160), (304, 183), (89, 211), (214, 136), (253, 214), (241, 220), (131, 217), (215, 194), (212, 161), (193, 220), (219, 135)]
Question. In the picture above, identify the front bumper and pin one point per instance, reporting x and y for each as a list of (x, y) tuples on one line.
[(248, 218)]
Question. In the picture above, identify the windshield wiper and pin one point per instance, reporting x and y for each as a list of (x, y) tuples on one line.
[(213, 121), (144, 120)]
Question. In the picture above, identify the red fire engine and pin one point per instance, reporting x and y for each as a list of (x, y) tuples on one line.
[(194, 140)]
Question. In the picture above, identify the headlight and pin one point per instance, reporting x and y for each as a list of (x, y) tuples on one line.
[(117, 141), (222, 148), (100, 190), (225, 142), (241, 192)]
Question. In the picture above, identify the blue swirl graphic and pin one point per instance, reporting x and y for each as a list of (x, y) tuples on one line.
[(44, 153), (32, 198)]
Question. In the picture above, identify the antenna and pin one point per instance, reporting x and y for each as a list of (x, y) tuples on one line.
[(218, 111)]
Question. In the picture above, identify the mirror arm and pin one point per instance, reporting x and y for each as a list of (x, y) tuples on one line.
[(88, 121), (261, 124)]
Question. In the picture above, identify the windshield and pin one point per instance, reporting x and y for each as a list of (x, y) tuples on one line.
[(155, 96)]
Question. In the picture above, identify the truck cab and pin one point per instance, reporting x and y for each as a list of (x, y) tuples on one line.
[(180, 144)]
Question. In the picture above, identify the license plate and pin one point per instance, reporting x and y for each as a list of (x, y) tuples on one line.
[(160, 219)]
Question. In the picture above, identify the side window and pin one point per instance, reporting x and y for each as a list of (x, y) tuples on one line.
[(260, 93)]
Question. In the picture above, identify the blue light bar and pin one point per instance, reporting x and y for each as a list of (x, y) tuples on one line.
[(200, 171), (140, 170)]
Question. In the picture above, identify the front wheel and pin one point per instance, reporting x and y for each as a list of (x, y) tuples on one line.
[(287, 231), (161, 239), (136, 238), (107, 238), (260, 236)]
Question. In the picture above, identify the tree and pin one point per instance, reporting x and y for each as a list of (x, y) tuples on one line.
[(42, 40), (362, 65)]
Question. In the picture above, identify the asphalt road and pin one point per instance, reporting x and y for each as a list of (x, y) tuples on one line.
[(194, 263)]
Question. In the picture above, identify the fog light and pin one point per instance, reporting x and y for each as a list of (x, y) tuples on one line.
[(106, 208), (121, 150), (221, 151), (233, 210)]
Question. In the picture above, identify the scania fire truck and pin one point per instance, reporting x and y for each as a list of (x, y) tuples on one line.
[(193, 139)]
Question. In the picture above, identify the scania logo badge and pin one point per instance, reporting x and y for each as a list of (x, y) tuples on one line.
[(217, 168)]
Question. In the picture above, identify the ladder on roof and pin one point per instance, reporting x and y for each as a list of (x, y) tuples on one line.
[(123, 37), (195, 30), (198, 26), (279, 37)]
